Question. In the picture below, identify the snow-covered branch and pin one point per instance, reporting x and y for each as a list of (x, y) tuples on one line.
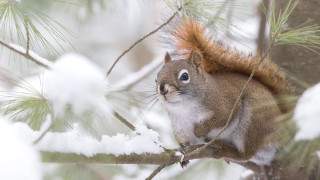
[(136, 77), (167, 157), (29, 55)]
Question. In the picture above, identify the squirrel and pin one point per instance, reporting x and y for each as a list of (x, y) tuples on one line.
[(199, 91)]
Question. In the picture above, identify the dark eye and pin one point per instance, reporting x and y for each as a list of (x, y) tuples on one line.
[(155, 80), (184, 76)]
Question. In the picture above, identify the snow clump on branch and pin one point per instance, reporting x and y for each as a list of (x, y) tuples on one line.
[(76, 81), (143, 140), (307, 114)]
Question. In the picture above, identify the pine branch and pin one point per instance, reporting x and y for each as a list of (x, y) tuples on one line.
[(168, 157), (28, 55)]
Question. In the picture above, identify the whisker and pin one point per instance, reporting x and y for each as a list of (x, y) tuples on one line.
[(153, 104), (149, 96), (151, 100)]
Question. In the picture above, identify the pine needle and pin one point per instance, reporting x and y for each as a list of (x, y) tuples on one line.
[(13, 18)]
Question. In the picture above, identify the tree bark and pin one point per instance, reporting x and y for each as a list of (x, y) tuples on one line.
[(300, 62), (304, 66)]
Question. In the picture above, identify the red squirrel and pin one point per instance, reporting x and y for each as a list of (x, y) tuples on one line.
[(199, 91)]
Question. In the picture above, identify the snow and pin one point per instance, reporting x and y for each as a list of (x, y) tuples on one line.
[(76, 81), (318, 154), (141, 141), (246, 174), (307, 114), (32, 54), (18, 158)]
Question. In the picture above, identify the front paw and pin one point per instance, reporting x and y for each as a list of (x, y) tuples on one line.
[(200, 130), (218, 153), (183, 163)]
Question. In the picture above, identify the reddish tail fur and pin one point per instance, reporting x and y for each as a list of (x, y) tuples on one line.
[(188, 35)]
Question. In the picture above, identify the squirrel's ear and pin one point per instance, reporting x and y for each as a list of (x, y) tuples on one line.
[(167, 58), (195, 58)]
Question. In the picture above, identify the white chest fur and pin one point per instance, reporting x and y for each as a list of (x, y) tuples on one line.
[(184, 117)]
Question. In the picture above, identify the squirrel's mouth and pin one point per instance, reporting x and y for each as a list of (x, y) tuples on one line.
[(167, 99), (167, 94)]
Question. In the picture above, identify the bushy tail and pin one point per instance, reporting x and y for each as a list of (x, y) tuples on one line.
[(186, 35)]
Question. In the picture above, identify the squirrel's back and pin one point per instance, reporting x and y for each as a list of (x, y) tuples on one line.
[(186, 35)]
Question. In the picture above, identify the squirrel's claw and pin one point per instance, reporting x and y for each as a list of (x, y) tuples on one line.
[(182, 162)]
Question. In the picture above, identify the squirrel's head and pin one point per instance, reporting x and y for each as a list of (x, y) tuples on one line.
[(179, 81)]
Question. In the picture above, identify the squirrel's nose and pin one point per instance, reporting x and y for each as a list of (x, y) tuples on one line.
[(163, 91)]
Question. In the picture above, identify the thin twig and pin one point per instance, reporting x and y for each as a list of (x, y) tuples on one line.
[(28, 35), (156, 171), (44, 132), (124, 121), (141, 39), (237, 101), (24, 55)]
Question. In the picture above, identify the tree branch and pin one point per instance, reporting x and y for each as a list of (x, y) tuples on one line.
[(168, 157), (31, 55)]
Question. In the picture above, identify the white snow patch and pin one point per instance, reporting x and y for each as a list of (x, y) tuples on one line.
[(307, 114), (18, 158), (76, 81), (32, 54), (318, 154), (142, 140), (246, 174)]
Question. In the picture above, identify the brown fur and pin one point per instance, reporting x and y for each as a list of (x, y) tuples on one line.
[(188, 35), (216, 95), (217, 76)]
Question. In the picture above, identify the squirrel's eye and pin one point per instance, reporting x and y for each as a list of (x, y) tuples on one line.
[(184, 76)]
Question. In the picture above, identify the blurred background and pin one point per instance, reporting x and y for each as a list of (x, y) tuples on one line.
[(101, 30)]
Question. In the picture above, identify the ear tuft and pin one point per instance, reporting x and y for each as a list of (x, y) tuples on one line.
[(167, 58), (195, 58)]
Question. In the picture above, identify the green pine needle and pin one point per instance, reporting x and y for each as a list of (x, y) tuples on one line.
[(26, 107), (15, 15), (302, 35), (26, 104)]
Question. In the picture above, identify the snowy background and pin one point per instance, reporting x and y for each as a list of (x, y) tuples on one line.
[(82, 98)]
